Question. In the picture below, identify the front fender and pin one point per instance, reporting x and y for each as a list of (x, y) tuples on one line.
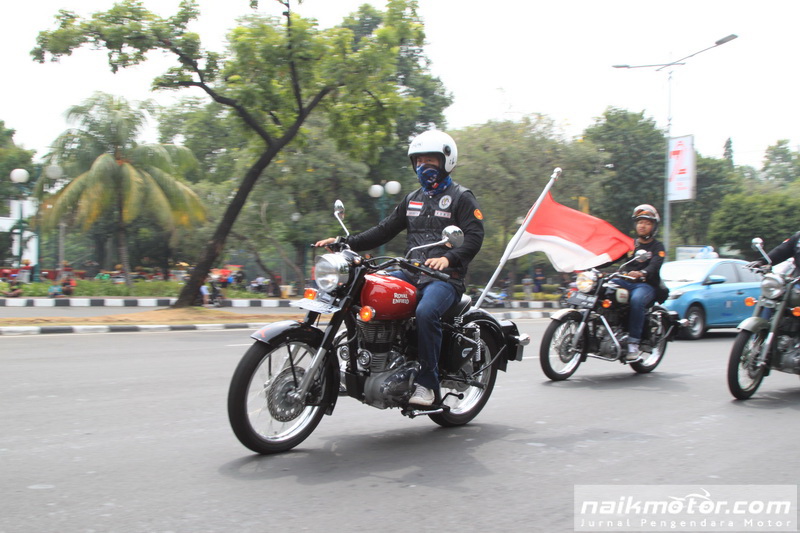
[(286, 330), (277, 332), (562, 313), (754, 324)]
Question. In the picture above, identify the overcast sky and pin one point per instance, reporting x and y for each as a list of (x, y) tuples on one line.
[(500, 59)]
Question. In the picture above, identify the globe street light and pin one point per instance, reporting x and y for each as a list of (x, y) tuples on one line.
[(20, 176), (659, 67), (377, 191)]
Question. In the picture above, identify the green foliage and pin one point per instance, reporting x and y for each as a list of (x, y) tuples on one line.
[(781, 164), (11, 157), (276, 76), (636, 149), (741, 217), (116, 179)]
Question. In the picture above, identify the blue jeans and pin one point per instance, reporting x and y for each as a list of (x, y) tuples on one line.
[(641, 295), (433, 299)]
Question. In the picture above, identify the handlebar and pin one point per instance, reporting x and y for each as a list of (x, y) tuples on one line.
[(419, 267)]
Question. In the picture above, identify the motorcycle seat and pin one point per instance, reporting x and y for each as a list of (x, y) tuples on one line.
[(457, 308)]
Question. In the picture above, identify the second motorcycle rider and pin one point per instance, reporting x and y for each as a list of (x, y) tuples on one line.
[(424, 213)]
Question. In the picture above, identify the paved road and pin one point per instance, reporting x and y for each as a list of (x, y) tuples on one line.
[(128, 432)]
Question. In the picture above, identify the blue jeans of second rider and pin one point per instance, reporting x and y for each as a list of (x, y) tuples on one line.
[(641, 295), (433, 299)]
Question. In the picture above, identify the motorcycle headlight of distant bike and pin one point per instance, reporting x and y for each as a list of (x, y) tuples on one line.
[(586, 281), (772, 286), (331, 272)]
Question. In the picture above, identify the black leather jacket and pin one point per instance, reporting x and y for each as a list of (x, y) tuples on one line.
[(424, 217)]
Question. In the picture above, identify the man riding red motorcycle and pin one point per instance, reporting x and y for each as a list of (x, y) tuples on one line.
[(424, 213)]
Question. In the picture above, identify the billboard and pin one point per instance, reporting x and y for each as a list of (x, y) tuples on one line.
[(681, 171)]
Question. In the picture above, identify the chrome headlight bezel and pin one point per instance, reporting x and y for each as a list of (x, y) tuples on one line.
[(331, 271), (772, 286), (586, 281)]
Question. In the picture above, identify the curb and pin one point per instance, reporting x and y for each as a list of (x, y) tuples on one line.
[(165, 302), (126, 302), (42, 330)]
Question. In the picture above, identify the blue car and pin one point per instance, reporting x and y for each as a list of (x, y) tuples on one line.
[(709, 293)]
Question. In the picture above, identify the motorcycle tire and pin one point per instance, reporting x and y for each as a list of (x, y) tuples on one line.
[(744, 377), (557, 360), (474, 398), (262, 414), (659, 325)]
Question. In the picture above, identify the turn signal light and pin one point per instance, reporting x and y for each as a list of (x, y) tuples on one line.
[(310, 294), (796, 311), (749, 301), (606, 304), (367, 313)]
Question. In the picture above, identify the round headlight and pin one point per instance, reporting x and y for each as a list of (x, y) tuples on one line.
[(586, 281), (331, 272), (772, 286)]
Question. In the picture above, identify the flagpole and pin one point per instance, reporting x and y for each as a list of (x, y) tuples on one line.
[(517, 236)]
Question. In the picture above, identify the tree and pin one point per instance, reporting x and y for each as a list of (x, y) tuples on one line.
[(741, 217), (277, 76), (636, 149), (781, 164), (507, 165), (117, 178), (11, 157)]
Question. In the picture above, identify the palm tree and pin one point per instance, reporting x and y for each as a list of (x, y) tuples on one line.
[(117, 178)]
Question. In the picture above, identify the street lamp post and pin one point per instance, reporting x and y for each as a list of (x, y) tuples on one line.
[(377, 191), (20, 176), (659, 67)]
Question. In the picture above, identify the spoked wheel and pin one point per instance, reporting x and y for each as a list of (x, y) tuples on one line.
[(263, 411), (658, 326), (559, 361), (744, 371), (484, 372)]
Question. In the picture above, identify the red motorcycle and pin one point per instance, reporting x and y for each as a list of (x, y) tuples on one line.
[(296, 370)]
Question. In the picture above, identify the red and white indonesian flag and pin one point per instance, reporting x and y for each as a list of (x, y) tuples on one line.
[(572, 240)]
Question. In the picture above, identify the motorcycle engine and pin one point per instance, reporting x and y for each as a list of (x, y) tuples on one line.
[(788, 354), (390, 376), (606, 346)]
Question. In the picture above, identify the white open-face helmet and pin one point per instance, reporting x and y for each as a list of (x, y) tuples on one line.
[(435, 142)]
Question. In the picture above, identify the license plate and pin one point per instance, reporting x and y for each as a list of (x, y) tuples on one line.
[(581, 300), (316, 306)]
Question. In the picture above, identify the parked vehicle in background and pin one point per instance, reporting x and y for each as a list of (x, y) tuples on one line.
[(709, 293)]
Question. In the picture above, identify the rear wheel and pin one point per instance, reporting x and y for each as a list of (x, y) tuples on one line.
[(559, 361), (696, 317), (658, 325), (264, 414), (745, 370), (484, 373)]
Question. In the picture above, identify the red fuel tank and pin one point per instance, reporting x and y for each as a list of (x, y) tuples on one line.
[(392, 298)]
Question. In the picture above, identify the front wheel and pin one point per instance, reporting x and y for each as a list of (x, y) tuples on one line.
[(745, 370), (556, 355), (264, 414), (473, 397)]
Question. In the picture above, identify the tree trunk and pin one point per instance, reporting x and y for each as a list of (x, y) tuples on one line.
[(122, 241), (217, 242)]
